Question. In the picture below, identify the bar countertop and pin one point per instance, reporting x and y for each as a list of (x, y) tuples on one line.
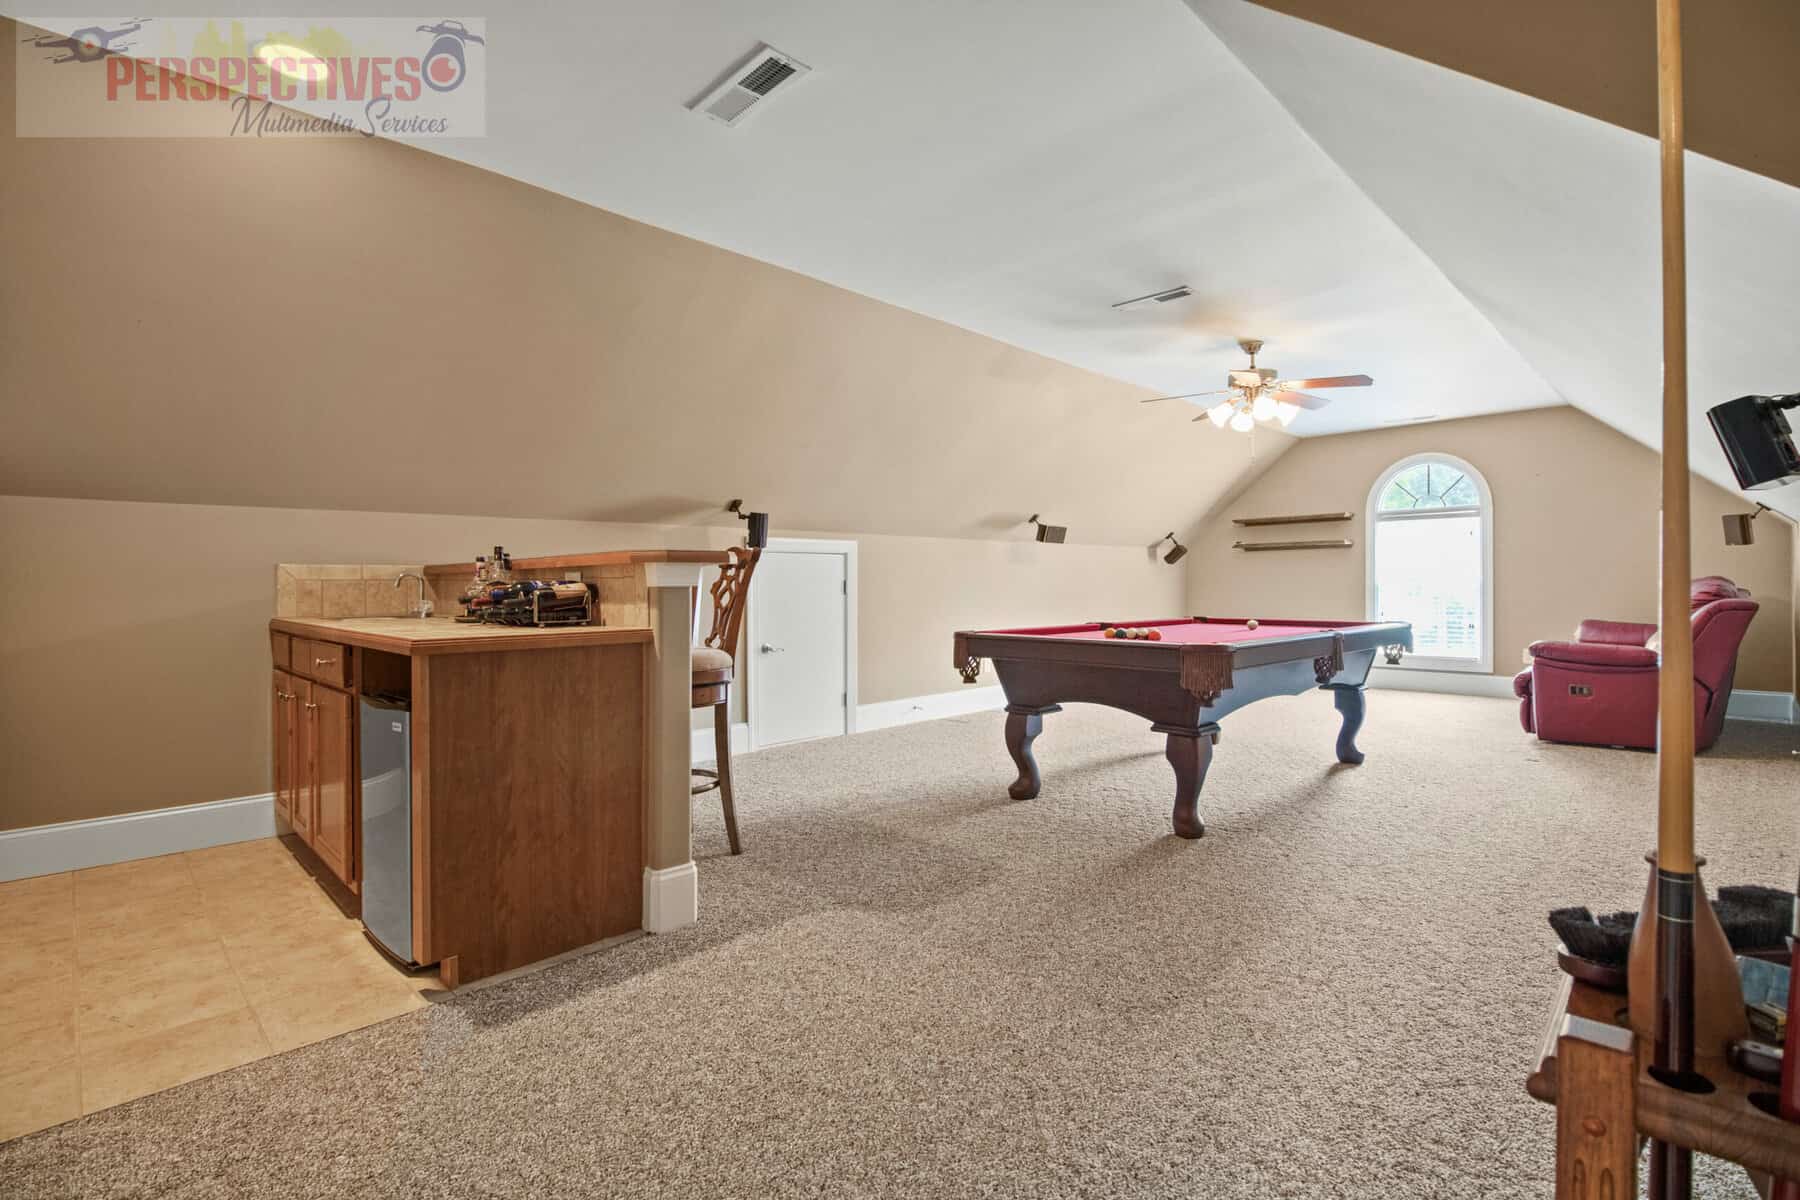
[(442, 635), (597, 558)]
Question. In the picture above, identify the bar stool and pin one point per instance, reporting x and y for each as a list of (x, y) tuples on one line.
[(712, 675)]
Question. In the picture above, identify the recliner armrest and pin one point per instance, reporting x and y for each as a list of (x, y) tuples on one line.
[(1614, 633), (1593, 654)]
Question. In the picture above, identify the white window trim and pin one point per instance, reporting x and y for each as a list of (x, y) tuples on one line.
[(752, 632), (1480, 666)]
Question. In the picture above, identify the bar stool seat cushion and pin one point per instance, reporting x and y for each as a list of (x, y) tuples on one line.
[(708, 659)]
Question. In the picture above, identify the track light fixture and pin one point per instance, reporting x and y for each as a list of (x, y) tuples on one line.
[(758, 537), (1177, 551), (1738, 530), (1049, 533)]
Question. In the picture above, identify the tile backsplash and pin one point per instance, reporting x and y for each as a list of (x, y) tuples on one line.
[(331, 590)]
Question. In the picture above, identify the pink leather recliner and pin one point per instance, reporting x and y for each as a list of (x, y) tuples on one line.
[(1600, 689)]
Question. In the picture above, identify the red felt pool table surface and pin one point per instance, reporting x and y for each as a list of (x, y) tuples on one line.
[(1192, 630)]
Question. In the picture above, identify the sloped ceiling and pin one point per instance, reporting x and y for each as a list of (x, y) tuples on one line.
[(1547, 220), (1013, 168)]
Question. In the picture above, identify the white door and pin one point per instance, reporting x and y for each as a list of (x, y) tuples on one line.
[(798, 652)]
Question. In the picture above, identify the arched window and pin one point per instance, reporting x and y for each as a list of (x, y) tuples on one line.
[(1431, 560)]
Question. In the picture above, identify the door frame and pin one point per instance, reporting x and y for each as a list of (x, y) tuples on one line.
[(753, 632)]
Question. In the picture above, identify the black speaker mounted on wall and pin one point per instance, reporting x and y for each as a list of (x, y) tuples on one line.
[(1757, 439)]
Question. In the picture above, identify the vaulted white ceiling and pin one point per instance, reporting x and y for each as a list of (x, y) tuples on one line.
[(1014, 167), (1547, 221)]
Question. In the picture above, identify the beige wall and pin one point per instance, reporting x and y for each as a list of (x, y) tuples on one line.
[(1575, 534), (916, 592), (134, 660)]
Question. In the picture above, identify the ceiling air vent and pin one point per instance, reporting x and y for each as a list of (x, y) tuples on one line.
[(748, 84), (1154, 298)]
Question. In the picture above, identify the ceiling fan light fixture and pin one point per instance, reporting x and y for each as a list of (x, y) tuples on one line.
[(1263, 407), (1242, 422), (1218, 414)]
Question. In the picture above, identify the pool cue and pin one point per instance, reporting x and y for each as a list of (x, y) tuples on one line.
[(1671, 1166)]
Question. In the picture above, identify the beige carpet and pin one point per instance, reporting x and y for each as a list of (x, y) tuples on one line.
[(910, 986)]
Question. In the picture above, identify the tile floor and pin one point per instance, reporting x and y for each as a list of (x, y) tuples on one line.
[(120, 981)]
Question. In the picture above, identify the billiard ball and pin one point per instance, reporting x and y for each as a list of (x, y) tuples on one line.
[(1250, 624), (1156, 635), (1110, 632)]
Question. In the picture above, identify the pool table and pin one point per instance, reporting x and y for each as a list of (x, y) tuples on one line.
[(1201, 669)]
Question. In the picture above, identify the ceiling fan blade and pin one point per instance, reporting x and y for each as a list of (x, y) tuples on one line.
[(1299, 399), (1300, 385), (1184, 396)]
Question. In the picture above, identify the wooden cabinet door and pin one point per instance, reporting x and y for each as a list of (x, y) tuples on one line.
[(335, 789), (281, 743), (302, 793)]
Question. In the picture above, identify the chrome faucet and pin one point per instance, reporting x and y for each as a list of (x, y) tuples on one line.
[(423, 607)]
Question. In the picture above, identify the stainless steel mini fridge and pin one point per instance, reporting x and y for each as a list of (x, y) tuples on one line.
[(387, 823)]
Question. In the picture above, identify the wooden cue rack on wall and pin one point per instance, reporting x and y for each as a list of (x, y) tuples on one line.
[(1302, 519), (1326, 544), (1298, 519)]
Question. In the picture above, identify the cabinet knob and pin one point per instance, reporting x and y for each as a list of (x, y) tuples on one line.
[(310, 706), (322, 662)]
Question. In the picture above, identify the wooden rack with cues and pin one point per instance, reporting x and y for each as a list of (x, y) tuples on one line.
[(1656, 1065)]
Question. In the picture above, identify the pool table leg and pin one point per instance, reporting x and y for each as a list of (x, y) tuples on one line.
[(1023, 724), (1190, 753), (1349, 701)]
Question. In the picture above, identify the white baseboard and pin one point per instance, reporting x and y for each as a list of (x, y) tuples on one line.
[(73, 845), (671, 898), (1744, 705), (703, 742), (1748, 705), (1457, 683), (888, 713)]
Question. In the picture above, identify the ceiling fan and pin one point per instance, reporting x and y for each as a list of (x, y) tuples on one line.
[(1255, 394)]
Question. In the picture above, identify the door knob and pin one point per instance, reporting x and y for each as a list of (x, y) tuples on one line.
[(768, 649)]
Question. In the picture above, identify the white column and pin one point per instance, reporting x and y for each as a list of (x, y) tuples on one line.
[(671, 883)]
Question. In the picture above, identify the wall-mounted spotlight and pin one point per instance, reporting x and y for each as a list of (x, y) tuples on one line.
[(1738, 530), (758, 537), (1049, 533), (1177, 551)]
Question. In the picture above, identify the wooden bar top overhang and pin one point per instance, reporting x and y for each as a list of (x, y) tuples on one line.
[(414, 636)]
